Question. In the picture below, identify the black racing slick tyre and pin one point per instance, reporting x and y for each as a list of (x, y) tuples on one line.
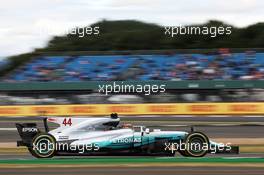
[(197, 145), (183, 153), (43, 146)]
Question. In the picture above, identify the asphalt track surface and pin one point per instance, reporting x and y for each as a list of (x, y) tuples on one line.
[(136, 171), (185, 166), (214, 127)]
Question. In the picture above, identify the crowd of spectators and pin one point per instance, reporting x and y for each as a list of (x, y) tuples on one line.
[(222, 65)]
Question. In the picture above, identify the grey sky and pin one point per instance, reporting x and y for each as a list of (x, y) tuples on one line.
[(29, 24)]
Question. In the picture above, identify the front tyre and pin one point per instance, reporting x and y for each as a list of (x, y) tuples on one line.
[(197, 145), (43, 146)]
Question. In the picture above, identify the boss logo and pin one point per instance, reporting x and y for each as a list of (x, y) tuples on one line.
[(29, 130)]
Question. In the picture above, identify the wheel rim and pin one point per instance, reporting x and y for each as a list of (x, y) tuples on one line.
[(197, 145), (44, 146)]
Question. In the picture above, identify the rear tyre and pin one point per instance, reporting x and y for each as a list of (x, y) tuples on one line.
[(183, 153), (197, 145), (43, 146)]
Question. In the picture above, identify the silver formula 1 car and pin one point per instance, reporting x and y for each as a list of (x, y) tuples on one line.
[(105, 136)]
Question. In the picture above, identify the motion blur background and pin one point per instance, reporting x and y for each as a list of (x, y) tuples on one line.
[(40, 68), (242, 67), (195, 69)]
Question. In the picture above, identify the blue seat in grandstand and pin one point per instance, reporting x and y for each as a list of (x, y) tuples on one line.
[(165, 67)]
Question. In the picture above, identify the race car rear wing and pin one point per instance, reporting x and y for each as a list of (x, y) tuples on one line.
[(27, 131)]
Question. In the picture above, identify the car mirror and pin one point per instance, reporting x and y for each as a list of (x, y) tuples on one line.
[(147, 131)]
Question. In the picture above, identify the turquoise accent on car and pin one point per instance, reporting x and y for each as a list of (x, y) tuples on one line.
[(137, 140)]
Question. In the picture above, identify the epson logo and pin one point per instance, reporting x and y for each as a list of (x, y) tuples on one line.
[(29, 130)]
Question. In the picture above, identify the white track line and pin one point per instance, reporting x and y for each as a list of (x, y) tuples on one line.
[(8, 129)]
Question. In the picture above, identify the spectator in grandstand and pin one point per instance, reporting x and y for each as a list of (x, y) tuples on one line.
[(221, 66)]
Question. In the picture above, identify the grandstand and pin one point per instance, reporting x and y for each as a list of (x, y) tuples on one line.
[(69, 78), (221, 66)]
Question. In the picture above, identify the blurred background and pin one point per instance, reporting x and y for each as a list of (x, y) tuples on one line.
[(224, 65), (40, 68)]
